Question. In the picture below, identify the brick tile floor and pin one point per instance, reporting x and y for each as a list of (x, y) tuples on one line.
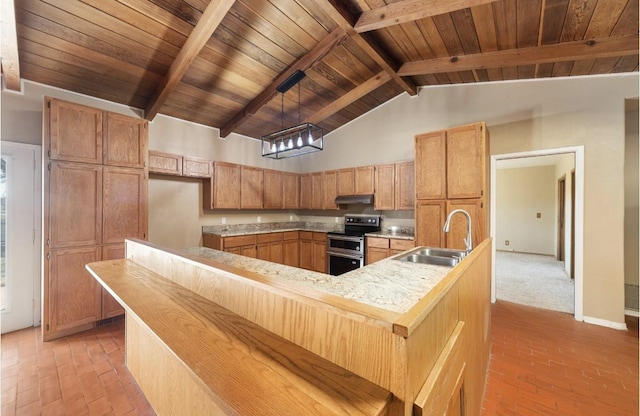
[(542, 363)]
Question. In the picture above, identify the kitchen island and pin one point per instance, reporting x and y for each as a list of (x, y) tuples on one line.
[(391, 338)]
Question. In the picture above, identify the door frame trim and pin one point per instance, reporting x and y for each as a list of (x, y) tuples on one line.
[(37, 223), (578, 152)]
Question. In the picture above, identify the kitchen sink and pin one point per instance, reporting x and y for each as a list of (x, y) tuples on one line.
[(436, 256)]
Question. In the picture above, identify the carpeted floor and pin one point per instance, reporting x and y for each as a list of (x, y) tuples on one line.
[(534, 280)]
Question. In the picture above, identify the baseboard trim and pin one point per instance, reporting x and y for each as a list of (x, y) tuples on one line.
[(603, 322), (631, 312)]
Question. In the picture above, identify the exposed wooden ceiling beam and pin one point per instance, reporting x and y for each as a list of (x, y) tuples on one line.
[(208, 23), (562, 52), (326, 45), (341, 16), (9, 46), (354, 95), (410, 10)]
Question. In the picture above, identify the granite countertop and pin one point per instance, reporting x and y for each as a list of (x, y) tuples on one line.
[(233, 230), (388, 284)]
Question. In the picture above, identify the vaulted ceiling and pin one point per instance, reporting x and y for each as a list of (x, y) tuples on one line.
[(219, 62)]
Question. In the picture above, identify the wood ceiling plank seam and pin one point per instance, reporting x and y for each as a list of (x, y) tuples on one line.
[(552, 20), (604, 65), (481, 75), (196, 105), (140, 21), (444, 24), (505, 18), (432, 36), (485, 27), (569, 51), (55, 30), (319, 13), (199, 5), (404, 42), (273, 23), (509, 73), (81, 51), (120, 29), (143, 87), (354, 49), (212, 73), (182, 10), (347, 58), (526, 71), (466, 29), (301, 18), (225, 90), (409, 10), (160, 15), (303, 63), (454, 77), (333, 77), (344, 70), (528, 21), (544, 70), (328, 92), (467, 77), (626, 64), (562, 69), (419, 43), (582, 67), (207, 24), (578, 17), (605, 17), (628, 22), (442, 78), (10, 61)]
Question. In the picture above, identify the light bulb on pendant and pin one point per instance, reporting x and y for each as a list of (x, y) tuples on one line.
[(310, 139), (299, 142), (273, 147), (282, 145), (290, 143)]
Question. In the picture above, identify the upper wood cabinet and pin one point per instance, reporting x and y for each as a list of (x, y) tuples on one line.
[(404, 185), (329, 189), (251, 183), (273, 189), (347, 181), (223, 189), (165, 163), (196, 167), (306, 191), (290, 190), (83, 134), (384, 198), (74, 213), (364, 182), (124, 210), (124, 141), (451, 163), (317, 187)]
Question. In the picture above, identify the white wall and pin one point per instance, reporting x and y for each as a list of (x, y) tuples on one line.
[(521, 194)]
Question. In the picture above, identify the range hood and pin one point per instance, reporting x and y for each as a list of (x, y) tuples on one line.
[(354, 199)]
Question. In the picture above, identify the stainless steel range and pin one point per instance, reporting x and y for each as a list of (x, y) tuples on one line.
[(345, 251)]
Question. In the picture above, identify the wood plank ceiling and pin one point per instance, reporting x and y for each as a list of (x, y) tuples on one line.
[(219, 62)]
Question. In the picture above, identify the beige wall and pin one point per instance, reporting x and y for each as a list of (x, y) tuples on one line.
[(523, 116), (631, 194), (521, 194)]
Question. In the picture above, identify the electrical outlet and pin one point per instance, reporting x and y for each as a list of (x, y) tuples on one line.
[(223, 220), (337, 220), (538, 215), (290, 217), (506, 242), (259, 219)]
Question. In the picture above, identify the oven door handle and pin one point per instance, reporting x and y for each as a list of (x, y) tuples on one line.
[(345, 255), (343, 238)]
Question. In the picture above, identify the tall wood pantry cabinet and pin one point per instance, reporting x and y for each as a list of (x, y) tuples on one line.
[(451, 173), (95, 196)]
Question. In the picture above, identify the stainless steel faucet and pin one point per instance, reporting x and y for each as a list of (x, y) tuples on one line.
[(447, 224)]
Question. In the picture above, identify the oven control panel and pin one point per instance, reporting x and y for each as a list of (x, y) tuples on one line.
[(371, 220)]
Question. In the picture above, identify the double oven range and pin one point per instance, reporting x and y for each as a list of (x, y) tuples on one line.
[(346, 250)]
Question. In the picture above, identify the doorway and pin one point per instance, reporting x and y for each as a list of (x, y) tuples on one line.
[(20, 227), (561, 216), (578, 153)]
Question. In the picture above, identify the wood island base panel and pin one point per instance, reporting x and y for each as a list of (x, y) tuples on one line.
[(204, 337)]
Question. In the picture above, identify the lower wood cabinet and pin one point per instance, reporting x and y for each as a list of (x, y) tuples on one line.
[(290, 248), (269, 247), (320, 252), (379, 248)]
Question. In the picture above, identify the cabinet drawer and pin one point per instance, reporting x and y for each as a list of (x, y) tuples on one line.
[(166, 163), (319, 236), (306, 235), (377, 242), (396, 244), (196, 167), (269, 238), (241, 240), (291, 235)]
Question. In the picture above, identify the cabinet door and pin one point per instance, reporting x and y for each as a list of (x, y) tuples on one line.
[(249, 251), (290, 190), (124, 141), (73, 298), (262, 252), (375, 254), (364, 181), (111, 307), (306, 191), (317, 185), (291, 252), (458, 230), (124, 212), (346, 181), (320, 256), (430, 216), (251, 180), (223, 189), (430, 165), (165, 163), (384, 196), (330, 190), (465, 161), (306, 254), (195, 167), (75, 204), (273, 189), (75, 132), (404, 185)]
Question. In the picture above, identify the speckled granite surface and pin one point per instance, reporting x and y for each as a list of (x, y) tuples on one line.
[(230, 230), (388, 284)]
